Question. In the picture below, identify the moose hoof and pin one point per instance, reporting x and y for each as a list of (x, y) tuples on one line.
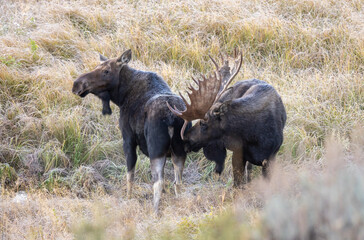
[(216, 177), (128, 196), (177, 189), (106, 111), (239, 186)]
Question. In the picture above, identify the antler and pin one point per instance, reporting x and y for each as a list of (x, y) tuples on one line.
[(201, 99), (224, 71), (208, 92)]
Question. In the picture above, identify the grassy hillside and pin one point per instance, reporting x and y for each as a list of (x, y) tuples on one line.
[(62, 167)]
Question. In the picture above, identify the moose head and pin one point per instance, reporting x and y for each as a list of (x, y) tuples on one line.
[(103, 78), (205, 105)]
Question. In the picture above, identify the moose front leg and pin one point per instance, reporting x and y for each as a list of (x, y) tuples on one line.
[(178, 164), (157, 166), (238, 168)]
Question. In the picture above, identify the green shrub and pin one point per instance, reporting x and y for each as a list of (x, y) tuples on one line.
[(8, 174)]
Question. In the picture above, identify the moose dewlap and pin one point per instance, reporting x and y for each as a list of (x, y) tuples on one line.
[(145, 120)]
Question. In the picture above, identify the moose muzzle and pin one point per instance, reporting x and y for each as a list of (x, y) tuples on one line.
[(80, 87)]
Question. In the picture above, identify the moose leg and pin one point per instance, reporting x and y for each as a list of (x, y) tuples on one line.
[(238, 168), (249, 168), (178, 164), (131, 158), (130, 181), (157, 166), (265, 169)]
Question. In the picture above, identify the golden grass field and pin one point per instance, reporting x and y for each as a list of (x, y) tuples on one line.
[(62, 167)]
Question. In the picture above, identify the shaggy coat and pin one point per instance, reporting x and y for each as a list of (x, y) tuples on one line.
[(248, 119), (145, 120)]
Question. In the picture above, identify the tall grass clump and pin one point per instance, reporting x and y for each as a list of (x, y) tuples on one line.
[(69, 158)]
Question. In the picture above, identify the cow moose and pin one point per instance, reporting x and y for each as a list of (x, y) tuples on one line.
[(145, 120), (248, 118)]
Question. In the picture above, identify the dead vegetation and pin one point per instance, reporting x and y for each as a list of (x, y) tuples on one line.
[(62, 167)]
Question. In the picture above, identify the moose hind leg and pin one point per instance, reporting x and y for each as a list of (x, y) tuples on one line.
[(130, 181), (131, 158), (266, 171), (157, 167), (238, 168), (178, 164), (249, 169)]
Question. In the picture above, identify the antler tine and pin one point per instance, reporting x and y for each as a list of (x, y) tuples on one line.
[(184, 100), (174, 110), (215, 63), (222, 57), (236, 52), (179, 113), (236, 65), (183, 128), (196, 81), (235, 71), (189, 87)]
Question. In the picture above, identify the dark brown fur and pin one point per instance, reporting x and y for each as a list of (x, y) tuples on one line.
[(248, 119), (145, 120)]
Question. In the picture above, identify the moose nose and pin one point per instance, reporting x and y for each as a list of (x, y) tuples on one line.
[(79, 85), (76, 88), (187, 147)]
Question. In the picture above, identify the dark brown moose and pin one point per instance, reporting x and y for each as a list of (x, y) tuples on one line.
[(247, 118), (145, 120)]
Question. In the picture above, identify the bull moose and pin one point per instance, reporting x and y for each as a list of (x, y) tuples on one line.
[(145, 120), (247, 118)]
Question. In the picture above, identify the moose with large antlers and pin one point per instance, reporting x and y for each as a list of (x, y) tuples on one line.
[(145, 120), (247, 118)]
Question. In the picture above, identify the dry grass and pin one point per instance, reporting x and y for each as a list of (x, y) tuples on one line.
[(68, 158)]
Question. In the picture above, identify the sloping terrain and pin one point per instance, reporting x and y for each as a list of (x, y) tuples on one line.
[(62, 167)]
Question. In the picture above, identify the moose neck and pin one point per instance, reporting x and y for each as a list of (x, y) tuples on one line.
[(132, 85), (119, 91)]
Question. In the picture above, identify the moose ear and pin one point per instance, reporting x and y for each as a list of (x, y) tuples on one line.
[(124, 58), (222, 109), (103, 58)]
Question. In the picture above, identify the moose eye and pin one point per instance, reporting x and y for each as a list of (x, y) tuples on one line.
[(203, 126), (105, 71)]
